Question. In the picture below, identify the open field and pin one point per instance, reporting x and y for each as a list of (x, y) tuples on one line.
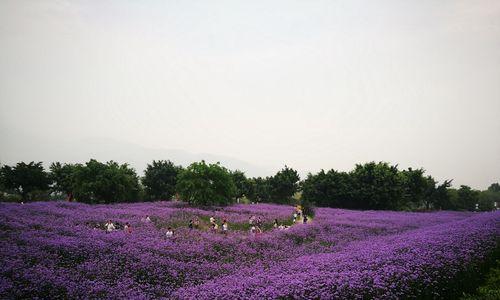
[(57, 250)]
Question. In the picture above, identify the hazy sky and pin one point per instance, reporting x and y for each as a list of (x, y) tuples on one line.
[(311, 84)]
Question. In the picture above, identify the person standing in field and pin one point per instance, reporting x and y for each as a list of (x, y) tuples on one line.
[(275, 225), (212, 220), (170, 232), (196, 223), (294, 217), (215, 227), (109, 226), (225, 226), (253, 230), (127, 228), (305, 219), (190, 224)]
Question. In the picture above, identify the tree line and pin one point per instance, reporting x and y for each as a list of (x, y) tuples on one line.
[(378, 186)]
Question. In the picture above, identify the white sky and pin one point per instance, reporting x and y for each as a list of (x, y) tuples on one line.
[(311, 84)]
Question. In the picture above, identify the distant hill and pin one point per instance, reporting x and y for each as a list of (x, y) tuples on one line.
[(32, 148)]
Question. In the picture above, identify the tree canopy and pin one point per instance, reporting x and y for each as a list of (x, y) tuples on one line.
[(160, 179), (25, 179), (96, 182), (368, 186), (206, 184)]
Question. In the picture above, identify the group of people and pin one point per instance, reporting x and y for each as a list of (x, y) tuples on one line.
[(110, 226), (214, 227), (255, 223)]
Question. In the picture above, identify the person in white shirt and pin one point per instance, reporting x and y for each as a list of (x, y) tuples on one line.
[(253, 230), (170, 232), (109, 226), (212, 220), (225, 227), (294, 217)]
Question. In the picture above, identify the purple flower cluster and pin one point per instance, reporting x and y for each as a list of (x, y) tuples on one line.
[(57, 250)]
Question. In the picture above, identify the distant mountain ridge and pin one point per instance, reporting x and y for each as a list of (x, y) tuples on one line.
[(104, 149)]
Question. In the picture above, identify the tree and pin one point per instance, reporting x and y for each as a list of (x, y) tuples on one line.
[(62, 177), (284, 185), (206, 184), (490, 199), (97, 182), (332, 189), (439, 196), (160, 179), (494, 187), (487, 200), (377, 186), (2, 181), (259, 189), (415, 187), (28, 180), (241, 183), (467, 198)]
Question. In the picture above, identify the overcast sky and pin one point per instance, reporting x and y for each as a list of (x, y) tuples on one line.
[(310, 84)]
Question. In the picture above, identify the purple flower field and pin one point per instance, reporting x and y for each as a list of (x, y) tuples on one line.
[(60, 250)]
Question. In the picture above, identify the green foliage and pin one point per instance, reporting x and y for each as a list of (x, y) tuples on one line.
[(241, 183), (62, 176), (5, 197), (330, 188), (437, 196), (97, 182), (416, 187), (487, 200), (490, 290), (279, 188), (369, 186), (284, 185), (467, 198), (259, 189), (2, 184), (206, 184), (377, 186), (494, 187), (30, 181), (160, 179)]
